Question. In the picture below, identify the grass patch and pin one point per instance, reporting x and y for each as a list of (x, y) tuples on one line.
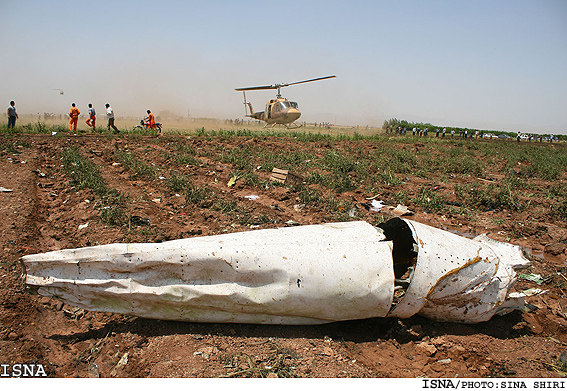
[(200, 196), (240, 158), (388, 178), (401, 197), (11, 147), (428, 199), (492, 197), (136, 167), (559, 210), (86, 175)]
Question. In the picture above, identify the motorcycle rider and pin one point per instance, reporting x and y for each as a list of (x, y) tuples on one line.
[(151, 121)]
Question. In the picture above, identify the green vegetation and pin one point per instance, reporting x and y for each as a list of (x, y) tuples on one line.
[(195, 195), (428, 200), (440, 175), (12, 147), (86, 175), (331, 169), (136, 167), (500, 197)]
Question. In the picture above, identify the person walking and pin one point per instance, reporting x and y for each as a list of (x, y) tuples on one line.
[(74, 114), (110, 116), (12, 115), (91, 121)]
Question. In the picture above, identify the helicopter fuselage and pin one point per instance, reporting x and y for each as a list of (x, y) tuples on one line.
[(278, 111)]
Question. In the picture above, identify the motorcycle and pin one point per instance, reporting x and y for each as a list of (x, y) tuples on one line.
[(145, 125)]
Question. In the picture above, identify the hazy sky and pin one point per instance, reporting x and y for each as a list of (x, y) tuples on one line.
[(487, 64)]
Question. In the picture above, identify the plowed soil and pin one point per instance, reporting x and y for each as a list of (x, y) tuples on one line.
[(45, 211)]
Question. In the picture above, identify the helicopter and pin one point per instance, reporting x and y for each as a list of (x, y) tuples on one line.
[(279, 111)]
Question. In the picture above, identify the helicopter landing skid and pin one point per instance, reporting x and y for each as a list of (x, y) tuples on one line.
[(288, 126)]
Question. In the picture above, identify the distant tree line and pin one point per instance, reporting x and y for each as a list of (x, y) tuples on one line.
[(394, 123)]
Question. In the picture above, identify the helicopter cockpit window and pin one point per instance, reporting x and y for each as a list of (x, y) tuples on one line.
[(287, 105)]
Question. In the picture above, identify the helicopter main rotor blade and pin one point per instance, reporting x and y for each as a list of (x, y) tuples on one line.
[(307, 81), (256, 88), (277, 86)]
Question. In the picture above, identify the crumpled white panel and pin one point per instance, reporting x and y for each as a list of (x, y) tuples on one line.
[(296, 275), (459, 279)]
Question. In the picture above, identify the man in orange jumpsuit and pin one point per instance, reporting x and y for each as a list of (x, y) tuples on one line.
[(91, 121), (74, 114), (151, 120)]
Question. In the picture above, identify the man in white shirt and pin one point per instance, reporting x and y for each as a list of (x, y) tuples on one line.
[(12, 115), (110, 116)]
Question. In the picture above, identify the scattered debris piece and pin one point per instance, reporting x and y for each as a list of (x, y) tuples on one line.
[(139, 221), (39, 173), (530, 308), (292, 222), (232, 181), (532, 277), (533, 292), (285, 177), (401, 210), (352, 212), (379, 206), (563, 361), (4, 190), (97, 153), (93, 370), (123, 361), (251, 197), (376, 206), (74, 313), (83, 226)]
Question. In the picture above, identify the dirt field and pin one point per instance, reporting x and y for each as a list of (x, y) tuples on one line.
[(46, 211)]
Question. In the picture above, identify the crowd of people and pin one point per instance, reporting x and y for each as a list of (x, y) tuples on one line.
[(463, 133), (74, 114), (424, 132)]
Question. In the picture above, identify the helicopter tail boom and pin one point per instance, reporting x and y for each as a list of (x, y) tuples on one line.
[(247, 106)]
